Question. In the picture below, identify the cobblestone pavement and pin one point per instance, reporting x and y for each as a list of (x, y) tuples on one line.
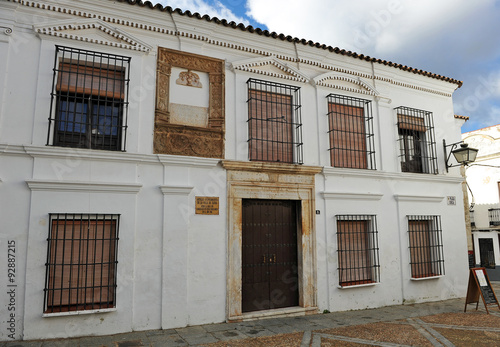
[(441, 323)]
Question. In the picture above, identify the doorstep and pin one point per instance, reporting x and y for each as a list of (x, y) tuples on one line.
[(274, 313)]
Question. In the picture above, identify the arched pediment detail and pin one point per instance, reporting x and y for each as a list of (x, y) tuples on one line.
[(270, 66), (94, 31), (329, 80)]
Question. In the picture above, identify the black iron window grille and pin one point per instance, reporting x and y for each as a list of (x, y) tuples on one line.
[(494, 217), (81, 262), (426, 246), (274, 122), (89, 100), (357, 248), (417, 142), (351, 132)]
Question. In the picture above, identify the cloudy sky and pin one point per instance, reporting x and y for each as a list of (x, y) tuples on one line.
[(454, 38)]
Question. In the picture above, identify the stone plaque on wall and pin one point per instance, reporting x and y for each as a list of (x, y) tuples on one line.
[(189, 112), (207, 205)]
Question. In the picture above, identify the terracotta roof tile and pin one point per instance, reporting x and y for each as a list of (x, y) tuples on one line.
[(288, 38), (457, 116)]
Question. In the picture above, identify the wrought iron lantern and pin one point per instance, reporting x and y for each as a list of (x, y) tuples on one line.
[(464, 155)]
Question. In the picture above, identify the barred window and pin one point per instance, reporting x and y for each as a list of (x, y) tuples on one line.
[(89, 99), (351, 132), (274, 122), (357, 248), (494, 217), (426, 246), (417, 142), (81, 262)]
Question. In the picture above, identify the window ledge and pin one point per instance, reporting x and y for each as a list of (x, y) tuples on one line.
[(358, 285), (77, 313), (426, 278)]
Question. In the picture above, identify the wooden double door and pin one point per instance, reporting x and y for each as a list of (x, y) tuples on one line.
[(269, 254)]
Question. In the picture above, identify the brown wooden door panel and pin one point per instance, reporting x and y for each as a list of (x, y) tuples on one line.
[(269, 244)]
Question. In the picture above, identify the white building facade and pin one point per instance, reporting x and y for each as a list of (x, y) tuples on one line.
[(483, 177), (160, 169)]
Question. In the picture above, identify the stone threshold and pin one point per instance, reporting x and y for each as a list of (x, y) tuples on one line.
[(274, 313)]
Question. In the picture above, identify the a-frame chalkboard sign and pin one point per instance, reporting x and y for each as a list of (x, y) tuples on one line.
[(479, 285)]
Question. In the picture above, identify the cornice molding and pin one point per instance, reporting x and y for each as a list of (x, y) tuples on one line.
[(270, 167), (251, 65), (322, 80), (107, 156), (418, 198), (236, 45), (352, 196), (58, 28), (79, 186), (377, 175), (175, 190)]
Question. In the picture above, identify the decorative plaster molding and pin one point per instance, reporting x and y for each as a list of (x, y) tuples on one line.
[(419, 198), (352, 196), (237, 46), (251, 65), (403, 176), (322, 80), (74, 154), (175, 190), (79, 186), (61, 28), (271, 167), (177, 139)]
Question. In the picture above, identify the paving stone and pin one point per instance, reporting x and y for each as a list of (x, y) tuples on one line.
[(138, 335), (229, 335), (160, 332), (200, 339), (60, 343), (22, 344), (283, 329), (219, 327), (173, 340), (191, 331), (97, 341), (258, 332)]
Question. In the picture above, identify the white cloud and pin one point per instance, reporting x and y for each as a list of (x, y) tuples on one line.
[(370, 27), (217, 9)]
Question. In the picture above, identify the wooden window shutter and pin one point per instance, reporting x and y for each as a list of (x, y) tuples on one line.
[(82, 264), (88, 80), (270, 115), (420, 248), (354, 258), (411, 123), (347, 136)]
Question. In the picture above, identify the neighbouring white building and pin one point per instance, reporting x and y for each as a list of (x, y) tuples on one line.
[(160, 169), (483, 177)]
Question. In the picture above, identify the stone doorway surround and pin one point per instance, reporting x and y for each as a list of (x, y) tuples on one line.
[(257, 180)]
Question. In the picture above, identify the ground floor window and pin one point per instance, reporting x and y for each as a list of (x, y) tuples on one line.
[(426, 246), (357, 247), (81, 262)]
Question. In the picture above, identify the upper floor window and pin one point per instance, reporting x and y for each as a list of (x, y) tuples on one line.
[(426, 246), (89, 99), (417, 143), (274, 122), (357, 248), (350, 132), (81, 262)]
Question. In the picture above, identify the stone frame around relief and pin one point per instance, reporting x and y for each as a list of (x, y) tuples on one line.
[(189, 140)]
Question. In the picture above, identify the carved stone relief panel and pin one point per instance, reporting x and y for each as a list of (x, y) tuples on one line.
[(184, 127)]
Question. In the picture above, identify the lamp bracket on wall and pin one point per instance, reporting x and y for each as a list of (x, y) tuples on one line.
[(463, 154)]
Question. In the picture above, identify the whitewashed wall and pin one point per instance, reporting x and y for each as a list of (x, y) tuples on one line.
[(172, 263)]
